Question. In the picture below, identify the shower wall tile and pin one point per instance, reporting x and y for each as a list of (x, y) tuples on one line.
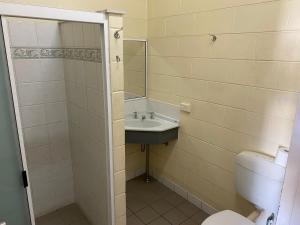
[(27, 70), (56, 112), (48, 34), (87, 125), (30, 93), (22, 33), (36, 136), (33, 115)]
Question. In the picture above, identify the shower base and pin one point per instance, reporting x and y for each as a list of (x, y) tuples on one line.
[(67, 215)]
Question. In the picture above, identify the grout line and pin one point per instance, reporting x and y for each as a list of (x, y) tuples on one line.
[(181, 13)]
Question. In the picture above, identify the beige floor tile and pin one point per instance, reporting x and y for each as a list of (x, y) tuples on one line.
[(133, 220), (190, 222), (175, 217), (199, 217), (175, 199), (147, 215), (160, 221), (188, 209), (162, 206), (135, 204)]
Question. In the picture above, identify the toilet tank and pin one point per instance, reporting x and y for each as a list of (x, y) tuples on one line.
[(259, 180)]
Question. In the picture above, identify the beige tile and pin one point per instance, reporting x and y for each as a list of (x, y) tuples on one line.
[(120, 205), (160, 221), (198, 218), (174, 199), (175, 217), (181, 25), (115, 21), (118, 133), (147, 215), (117, 76), (161, 206), (121, 220), (135, 27), (118, 105), (134, 220), (120, 181), (135, 204), (188, 209), (119, 158), (156, 27)]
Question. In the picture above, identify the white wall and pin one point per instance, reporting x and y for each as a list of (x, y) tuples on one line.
[(41, 92)]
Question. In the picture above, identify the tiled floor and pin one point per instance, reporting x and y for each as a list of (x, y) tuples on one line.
[(154, 204), (69, 215)]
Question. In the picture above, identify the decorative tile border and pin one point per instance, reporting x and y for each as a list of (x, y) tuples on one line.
[(84, 54)]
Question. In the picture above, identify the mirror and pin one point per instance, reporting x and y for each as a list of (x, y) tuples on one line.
[(135, 61)]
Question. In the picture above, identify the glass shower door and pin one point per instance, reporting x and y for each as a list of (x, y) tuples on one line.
[(14, 209)]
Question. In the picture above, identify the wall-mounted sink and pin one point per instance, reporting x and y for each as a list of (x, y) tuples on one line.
[(147, 130)]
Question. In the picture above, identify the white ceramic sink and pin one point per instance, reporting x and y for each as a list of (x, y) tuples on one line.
[(155, 125), (142, 123)]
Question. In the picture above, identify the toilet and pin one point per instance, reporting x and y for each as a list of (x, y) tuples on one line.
[(259, 179)]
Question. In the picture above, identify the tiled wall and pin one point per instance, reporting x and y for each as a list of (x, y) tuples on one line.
[(135, 20), (87, 121), (117, 95), (134, 68), (243, 88), (41, 91)]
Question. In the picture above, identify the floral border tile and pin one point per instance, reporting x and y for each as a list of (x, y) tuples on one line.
[(84, 54)]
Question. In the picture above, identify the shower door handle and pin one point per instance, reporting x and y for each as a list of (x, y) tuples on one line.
[(2, 223)]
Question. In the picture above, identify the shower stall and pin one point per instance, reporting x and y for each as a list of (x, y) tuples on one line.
[(55, 117)]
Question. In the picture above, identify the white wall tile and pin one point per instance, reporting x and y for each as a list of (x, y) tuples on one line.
[(31, 93), (54, 91), (33, 115), (28, 70), (56, 112), (52, 69), (58, 132), (48, 34), (22, 33), (36, 136)]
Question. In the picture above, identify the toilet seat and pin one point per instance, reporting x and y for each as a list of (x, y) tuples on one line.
[(227, 217)]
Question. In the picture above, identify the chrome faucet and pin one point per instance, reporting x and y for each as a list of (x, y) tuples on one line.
[(135, 115), (152, 115)]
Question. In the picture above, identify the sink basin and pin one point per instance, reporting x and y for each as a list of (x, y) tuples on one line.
[(150, 131), (137, 123)]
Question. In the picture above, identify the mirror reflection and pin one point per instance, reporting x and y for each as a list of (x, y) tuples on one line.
[(134, 69)]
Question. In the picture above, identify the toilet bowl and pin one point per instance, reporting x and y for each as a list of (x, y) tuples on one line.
[(259, 179), (227, 217)]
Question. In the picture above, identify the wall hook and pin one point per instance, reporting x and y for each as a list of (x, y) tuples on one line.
[(117, 33), (213, 37), (118, 59)]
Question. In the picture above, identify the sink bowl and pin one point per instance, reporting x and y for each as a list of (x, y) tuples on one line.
[(150, 131), (136, 123)]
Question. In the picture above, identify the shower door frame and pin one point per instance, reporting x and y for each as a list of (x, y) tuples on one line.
[(38, 12)]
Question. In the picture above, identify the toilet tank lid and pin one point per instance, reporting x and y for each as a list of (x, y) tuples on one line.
[(261, 164)]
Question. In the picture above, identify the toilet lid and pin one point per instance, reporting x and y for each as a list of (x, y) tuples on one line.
[(227, 217)]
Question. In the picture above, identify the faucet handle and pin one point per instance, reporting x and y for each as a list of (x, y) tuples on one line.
[(152, 115), (135, 115)]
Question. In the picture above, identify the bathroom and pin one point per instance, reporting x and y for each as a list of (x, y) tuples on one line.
[(84, 93)]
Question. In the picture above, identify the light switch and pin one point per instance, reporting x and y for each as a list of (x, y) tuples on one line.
[(185, 107)]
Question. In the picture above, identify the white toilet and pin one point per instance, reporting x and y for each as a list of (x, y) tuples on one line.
[(259, 179)]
